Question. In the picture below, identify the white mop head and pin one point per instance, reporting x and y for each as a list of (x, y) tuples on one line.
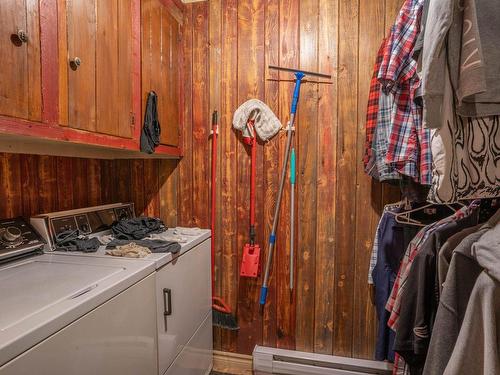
[(266, 123)]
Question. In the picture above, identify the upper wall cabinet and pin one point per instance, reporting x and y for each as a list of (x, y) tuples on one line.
[(71, 71), (161, 63), (20, 77), (95, 66)]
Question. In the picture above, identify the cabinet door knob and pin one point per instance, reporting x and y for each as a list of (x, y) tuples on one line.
[(19, 38), (75, 63)]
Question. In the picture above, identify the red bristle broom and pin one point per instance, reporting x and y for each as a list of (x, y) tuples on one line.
[(222, 315)]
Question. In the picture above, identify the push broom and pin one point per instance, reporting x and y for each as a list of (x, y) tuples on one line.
[(299, 76), (222, 315)]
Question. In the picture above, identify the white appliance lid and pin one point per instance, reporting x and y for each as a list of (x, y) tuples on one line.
[(31, 287)]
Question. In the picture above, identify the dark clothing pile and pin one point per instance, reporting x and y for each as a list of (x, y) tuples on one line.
[(72, 240), (137, 228), (156, 246)]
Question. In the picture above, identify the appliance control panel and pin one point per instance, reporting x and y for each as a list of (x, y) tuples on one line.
[(88, 221), (91, 222), (18, 237)]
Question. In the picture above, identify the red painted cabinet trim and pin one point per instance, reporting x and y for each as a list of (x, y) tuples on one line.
[(49, 128)]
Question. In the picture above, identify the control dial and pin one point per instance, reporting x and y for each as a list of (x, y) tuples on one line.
[(11, 234)]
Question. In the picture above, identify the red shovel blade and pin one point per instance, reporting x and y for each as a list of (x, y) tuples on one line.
[(250, 262)]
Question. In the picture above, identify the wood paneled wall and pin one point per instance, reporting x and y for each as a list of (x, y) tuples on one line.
[(229, 44), (33, 184)]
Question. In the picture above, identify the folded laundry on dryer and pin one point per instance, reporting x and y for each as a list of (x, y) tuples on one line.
[(155, 246), (166, 236), (184, 231), (130, 250)]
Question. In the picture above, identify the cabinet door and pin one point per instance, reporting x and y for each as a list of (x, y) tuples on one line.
[(197, 356), (20, 77), (183, 292), (96, 66), (161, 65)]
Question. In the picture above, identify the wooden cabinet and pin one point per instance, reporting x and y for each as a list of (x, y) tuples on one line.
[(162, 64), (71, 72), (95, 58), (20, 77)]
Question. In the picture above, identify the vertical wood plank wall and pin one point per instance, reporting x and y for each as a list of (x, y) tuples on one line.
[(33, 184), (228, 45)]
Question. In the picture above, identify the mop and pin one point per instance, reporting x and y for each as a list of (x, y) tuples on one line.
[(299, 76), (250, 261), (254, 118)]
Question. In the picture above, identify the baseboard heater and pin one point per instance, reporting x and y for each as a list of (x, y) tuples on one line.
[(291, 362)]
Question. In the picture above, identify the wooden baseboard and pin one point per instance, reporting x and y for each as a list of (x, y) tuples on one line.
[(232, 363)]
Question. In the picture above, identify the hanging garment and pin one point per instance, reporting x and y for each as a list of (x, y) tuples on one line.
[(380, 169), (395, 300), (466, 162), (446, 252), (151, 130), (402, 41), (460, 281), (465, 153), (479, 336), (393, 239), (374, 254), (477, 75), (478, 344), (420, 295), (462, 34), (373, 109), (399, 144), (419, 43)]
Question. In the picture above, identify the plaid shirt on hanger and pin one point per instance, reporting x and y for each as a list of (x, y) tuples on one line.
[(372, 109), (403, 36), (403, 147), (424, 154), (380, 169), (408, 150)]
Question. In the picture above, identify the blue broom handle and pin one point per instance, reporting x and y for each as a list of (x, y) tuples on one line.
[(272, 238), (296, 92)]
